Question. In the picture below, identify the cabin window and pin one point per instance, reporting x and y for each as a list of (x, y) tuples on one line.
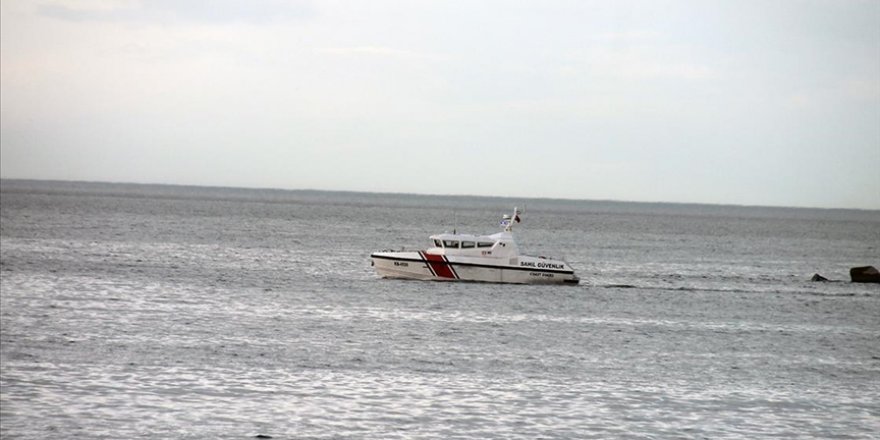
[(485, 244), (450, 243), (437, 243), (468, 245)]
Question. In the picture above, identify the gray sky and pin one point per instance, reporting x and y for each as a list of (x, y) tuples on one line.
[(765, 102)]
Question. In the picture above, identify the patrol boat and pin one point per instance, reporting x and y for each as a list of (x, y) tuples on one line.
[(462, 257)]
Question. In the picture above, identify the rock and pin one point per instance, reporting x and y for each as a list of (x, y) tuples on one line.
[(865, 274), (817, 277)]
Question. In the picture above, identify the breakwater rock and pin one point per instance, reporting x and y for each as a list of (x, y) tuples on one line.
[(864, 274)]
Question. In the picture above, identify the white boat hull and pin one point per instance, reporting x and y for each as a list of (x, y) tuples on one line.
[(424, 266)]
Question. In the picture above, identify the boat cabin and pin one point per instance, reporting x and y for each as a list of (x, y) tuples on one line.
[(500, 245)]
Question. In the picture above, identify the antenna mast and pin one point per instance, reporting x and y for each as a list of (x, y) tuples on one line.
[(507, 221)]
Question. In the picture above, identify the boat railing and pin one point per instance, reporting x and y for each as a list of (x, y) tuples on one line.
[(402, 249)]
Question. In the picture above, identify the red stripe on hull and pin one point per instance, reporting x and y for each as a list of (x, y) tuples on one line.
[(439, 265), (451, 267)]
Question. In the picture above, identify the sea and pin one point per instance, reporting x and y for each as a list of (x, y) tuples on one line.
[(153, 311)]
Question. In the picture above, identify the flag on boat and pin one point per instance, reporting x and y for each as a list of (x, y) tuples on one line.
[(507, 219)]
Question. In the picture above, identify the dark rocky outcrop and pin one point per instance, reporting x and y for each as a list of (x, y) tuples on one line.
[(865, 274), (817, 277)]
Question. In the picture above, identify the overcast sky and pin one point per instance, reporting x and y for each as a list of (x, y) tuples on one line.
[(766, 102)]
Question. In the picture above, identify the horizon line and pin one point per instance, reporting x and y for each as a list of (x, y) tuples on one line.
[(564, 199)]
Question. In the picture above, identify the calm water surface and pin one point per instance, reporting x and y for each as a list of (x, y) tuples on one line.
[(131, 311)]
